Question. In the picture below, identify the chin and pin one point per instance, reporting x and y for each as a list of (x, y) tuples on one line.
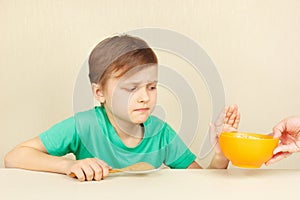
[(140, 121), (139, 118)]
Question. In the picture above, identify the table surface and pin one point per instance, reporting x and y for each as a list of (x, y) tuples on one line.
[(163, 184)]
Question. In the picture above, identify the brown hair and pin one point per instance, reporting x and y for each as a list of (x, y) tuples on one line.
[(119, 52)]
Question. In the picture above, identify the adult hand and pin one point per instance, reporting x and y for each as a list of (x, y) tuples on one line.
[(288, 132)]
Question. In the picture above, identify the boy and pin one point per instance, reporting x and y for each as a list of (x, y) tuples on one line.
[(123, 74)]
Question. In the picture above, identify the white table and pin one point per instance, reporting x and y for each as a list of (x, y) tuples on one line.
[(164, 184)]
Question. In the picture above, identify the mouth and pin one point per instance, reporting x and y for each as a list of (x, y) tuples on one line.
[(142, 109)]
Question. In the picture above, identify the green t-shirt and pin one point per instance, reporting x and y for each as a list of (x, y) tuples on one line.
[(90, 134)]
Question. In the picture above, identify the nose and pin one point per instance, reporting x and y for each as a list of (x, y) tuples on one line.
[(143, 95)]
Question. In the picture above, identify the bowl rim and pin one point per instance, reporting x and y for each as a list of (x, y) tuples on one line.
[(259, 136)]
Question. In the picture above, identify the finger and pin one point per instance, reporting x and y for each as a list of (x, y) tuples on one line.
[(221, 117), (279, 129), (89, 172), (231, 119), (231, 109), (228, 113), (277, 157), (79, 174), (105, 168), (291, 148), (101, 162), (237, 121), (269, 134), (98, 174), (237, 117), (231, 114), (213, 134), (277, 132)]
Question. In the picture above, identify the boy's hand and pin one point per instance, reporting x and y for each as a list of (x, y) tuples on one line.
[(89, 169), (227, 121)]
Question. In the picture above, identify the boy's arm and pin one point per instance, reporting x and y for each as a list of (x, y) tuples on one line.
[(218, 162), (32, 155), (194, 165), (227, 121)]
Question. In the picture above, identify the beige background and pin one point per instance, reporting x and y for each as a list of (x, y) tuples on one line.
[(43, 44)]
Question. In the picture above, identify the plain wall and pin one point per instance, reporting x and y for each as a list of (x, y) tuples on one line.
[(255, 46)]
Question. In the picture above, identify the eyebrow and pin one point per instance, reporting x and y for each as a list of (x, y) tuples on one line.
[(138, 83)]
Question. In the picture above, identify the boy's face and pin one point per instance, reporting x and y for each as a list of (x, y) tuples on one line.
[(132, 97)]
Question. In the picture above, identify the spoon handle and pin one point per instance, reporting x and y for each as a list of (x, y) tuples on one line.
[(115, 170), (72, 175), (110, 171)]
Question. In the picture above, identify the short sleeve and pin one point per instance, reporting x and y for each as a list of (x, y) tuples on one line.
[(60, 139), (178, 155)]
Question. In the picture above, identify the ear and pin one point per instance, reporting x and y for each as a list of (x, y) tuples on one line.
[(98, 93)]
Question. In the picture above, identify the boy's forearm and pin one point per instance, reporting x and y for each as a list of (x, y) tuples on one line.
[(219, 161), (33, 159)]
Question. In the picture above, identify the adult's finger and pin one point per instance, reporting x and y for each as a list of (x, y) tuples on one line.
[(279, 129), (277, 157), (291, 148)]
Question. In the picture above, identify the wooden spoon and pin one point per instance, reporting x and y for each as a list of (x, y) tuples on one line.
[(141, 166), (138, 167)]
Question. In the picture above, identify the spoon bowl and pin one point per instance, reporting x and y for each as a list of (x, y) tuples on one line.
[(137, 167)]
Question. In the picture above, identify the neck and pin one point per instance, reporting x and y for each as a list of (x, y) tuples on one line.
[(128, 130), (131, 134), (124, 128)]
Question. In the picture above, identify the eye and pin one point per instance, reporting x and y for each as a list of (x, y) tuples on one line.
[(131, 89), (152, 87)]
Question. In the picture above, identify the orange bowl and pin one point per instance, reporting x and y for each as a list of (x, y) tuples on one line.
[(248, 150)]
